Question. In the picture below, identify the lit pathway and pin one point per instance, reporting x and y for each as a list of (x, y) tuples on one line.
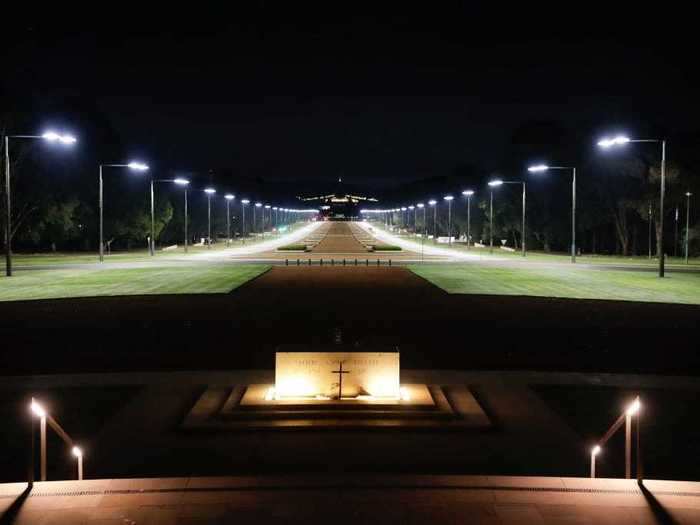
[(428, 248), (351, 499)]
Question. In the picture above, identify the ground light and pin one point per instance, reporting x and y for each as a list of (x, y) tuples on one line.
[(621, 140), (49, 136), (78, 453), (134, 166), (632, 410), (539, 168), (594, 452), (40, 412)]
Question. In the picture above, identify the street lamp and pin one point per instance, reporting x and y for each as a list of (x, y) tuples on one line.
[(269, 213), (49, 136), (183, 182), (229, 197), (621, 140), (500, 182), (468, 194), (179, 182), (412, 208), (209, 192), (594, 452), (449, 198), (244, 203), (543, 167), (40, 412), (78, 453), (492, 184), (687, 224), (134, 166), (258, 205), (421, 206), (433, 203), (632, 410)]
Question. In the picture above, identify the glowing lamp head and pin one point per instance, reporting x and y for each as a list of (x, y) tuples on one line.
[(688, 194), (595, 450), (496, 183), (633, 408), (411, 207), (267, 206), (245, 201), (181, 181), (37, 409), (403, 208), (137, 166), (420, 205), (77, 452), (258, 204), (608, 142), (52, 136), (448, 198), (275, 208), (229, 196), (209, 191), (432, 202), (538, 168), (468, 193)]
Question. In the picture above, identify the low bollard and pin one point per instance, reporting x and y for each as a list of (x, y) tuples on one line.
[(377, 262), (332, 262), (298, 262), (320, 262), (355, 262), (389, 262), (343, 262), (286, 262), (309, 262), (366, 262)]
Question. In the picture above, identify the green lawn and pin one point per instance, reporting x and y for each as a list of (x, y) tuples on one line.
[(622, 285), (175, 279)]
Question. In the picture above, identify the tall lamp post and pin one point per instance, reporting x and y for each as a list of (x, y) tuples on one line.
[(184, 182), (49, 136), (492, 184), (244, 203), (421, 206), (468, 194), (258, 205), (134, 166), (499, 182), (179, 182), (209, 192), (229, 197), (449, 199), (269, 216), (621, 140), (433, 203), (687, 224), (543, 167)]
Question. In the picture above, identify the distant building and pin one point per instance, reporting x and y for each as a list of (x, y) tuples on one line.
[(340, 205)]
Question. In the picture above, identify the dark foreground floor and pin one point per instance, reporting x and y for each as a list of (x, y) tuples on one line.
[(369, 307)]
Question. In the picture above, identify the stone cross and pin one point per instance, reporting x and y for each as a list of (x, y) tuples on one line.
[(340, 373)]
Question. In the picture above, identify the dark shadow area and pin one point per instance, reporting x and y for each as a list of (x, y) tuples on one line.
[(660, 513), (10, 515)]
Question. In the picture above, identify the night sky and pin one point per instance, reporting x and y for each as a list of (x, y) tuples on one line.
[(379, 97)]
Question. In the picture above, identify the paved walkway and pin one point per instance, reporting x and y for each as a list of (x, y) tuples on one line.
[(352, 499)]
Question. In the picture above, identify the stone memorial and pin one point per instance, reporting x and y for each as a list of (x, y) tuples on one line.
[(337, 375)]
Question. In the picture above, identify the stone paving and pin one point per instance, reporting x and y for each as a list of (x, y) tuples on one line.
[(351, 499)]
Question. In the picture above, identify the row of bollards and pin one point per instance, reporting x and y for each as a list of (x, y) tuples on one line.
[(344, 262)]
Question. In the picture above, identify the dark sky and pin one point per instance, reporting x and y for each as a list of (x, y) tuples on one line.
[(381, 96)]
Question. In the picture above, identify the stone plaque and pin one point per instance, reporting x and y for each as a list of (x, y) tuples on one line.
[(335, 374)]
